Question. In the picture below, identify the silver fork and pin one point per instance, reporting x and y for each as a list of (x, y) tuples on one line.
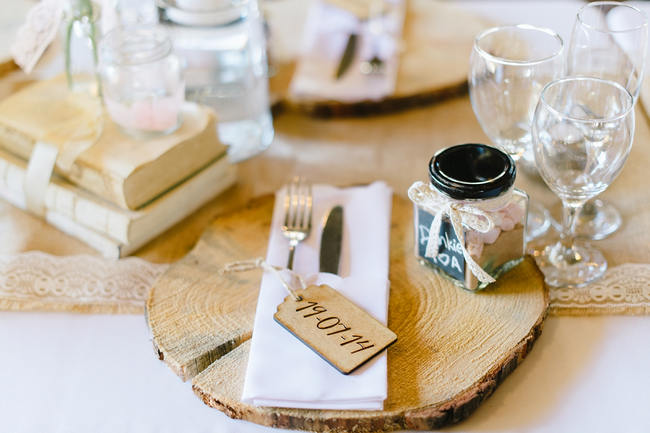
[(375, 65), (297, 214)]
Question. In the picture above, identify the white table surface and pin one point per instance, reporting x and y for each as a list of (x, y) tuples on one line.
[(70, 373), (73, 373)]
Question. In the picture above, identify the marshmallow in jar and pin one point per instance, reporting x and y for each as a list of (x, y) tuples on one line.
[(470, 222)]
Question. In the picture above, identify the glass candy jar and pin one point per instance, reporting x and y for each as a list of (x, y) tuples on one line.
[(470, 222), (142, 80), (223, 44)]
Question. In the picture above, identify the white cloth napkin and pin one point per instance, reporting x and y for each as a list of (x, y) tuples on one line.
[(282, 371), (326, 34)]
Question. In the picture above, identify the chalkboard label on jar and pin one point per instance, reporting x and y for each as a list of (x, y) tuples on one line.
[(450, 254)]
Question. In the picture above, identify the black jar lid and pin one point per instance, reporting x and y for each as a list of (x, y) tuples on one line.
[(472, 171)]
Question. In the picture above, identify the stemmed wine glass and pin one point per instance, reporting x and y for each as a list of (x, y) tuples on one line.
[(509, 66), (582, 134), (609, 41)]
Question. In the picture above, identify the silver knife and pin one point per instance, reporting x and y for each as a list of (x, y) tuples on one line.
[(348, 55), (330, 242)]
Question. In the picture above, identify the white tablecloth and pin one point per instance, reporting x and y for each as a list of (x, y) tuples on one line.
[(69, 373)]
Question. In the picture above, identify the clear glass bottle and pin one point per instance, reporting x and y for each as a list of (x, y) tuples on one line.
[(224, 47), (142, 80), (477, 180), (81, 31)]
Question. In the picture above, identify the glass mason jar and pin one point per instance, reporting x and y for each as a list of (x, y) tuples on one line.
[(474, 184), (81, 31), (142, 80), (223, 45)]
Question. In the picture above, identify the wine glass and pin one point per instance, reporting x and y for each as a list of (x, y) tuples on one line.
[(509, 66), (582, 134), (608, 41)]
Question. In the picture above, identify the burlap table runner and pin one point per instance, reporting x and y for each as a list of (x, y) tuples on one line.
[(37, 281)]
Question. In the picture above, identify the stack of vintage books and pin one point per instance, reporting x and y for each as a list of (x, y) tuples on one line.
[(120, 192)]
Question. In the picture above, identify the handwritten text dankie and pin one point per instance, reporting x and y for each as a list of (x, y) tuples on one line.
[(449, 244)]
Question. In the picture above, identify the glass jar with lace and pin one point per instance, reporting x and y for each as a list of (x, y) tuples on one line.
[(470, 222)]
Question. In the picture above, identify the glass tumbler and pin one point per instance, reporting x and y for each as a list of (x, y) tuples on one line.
[(224, 47), (142, 80)]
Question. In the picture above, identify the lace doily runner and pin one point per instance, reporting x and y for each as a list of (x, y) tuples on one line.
[(84, 284), (625, 289), (87, 284)]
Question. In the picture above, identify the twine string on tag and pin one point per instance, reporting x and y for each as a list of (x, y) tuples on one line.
[(260, 263), (475, 216)]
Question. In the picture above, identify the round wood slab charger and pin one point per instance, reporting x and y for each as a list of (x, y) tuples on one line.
[(453, 348), (436, 43)]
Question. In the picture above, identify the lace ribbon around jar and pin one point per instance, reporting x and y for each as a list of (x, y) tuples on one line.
[(85, 284)]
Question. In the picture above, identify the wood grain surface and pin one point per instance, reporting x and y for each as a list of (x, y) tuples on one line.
[(454, 347)]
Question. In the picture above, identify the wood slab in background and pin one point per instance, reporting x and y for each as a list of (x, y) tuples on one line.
[(434, 60), (454, 347)]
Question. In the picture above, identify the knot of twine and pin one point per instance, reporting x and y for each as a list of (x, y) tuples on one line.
[(475, 216), (260, 263)]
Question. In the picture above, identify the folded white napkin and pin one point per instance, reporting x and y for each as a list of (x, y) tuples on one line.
[(326, 34), (282, 371)]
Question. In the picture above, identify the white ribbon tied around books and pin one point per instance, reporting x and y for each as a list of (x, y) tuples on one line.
[(37, 178), (475, 215), (45, 156)]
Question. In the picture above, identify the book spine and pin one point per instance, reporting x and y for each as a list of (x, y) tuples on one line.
[(183, 200), (107, 247), (66, 201), (115, 232), (94, 215)]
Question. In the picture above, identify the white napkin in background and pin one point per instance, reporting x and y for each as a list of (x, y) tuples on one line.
[(326, 35), (282, 371)]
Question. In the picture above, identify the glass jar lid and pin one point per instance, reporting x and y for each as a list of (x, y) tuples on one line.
[(472, 171), (202, 13)]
